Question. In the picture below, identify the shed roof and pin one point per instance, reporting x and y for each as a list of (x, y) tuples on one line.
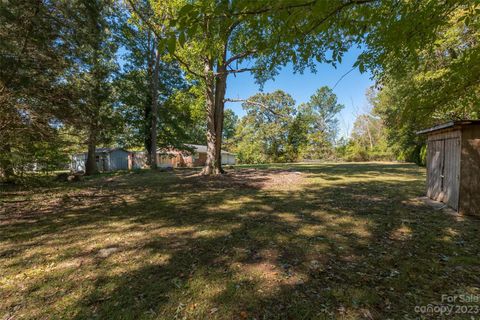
[(449, 125), (109, 149), (103, 150)]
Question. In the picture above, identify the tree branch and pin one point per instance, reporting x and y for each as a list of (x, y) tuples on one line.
[(234, 71), (240, 55), (187, 66), (268, 9), (335, 11), (343, 76)]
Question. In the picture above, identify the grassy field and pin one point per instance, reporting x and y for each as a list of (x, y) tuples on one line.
[(313, 241)]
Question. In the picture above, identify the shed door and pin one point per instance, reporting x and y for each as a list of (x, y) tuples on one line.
[(444, 170), (451, 172)]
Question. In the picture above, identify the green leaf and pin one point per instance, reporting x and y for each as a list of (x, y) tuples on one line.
[(185, 10), (181, 39), (171, 45), (361, 67)]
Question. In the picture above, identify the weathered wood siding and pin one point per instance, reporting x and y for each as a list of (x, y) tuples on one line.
[(443, 167), (452, 172), (470, 171)]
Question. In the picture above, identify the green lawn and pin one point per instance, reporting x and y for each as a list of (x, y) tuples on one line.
[(318, 241)]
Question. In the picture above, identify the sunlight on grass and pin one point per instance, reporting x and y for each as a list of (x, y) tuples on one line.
[(449, 234), (402, 233), (340, 240)]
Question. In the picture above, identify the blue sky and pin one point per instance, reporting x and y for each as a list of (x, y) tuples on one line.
[(350, 90)]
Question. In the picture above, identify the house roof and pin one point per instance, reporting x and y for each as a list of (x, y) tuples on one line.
[(449, 125)]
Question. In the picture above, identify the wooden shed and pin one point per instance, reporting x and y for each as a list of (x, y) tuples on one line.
[(453, 165)]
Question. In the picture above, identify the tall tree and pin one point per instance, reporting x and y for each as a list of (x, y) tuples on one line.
[(148, 85), (213, 38), (93, 51)]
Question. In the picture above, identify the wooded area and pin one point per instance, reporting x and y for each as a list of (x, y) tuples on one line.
[(76, 75)]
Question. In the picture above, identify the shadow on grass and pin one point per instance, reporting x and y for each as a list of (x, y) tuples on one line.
[(228, 248)]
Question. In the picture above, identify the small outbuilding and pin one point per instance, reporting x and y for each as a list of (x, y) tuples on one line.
[(453, 165), (108, 159)]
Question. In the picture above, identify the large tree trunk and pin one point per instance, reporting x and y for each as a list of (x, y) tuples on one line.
[(215, 96), (154, 115), (91, 164)]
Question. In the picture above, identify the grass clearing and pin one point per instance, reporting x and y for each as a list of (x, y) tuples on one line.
[(301, 241)]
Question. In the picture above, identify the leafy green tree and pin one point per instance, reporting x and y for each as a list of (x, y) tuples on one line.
[(194, 123), (248, 147), (319, 124), (266, 124), (274, 129), (93, 51), (440, 81), (147, 83), (432, 44), (176, 99), (213, 39)]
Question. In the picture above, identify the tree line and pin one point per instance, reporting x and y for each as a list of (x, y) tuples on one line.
[(274, 129), (142, 73)]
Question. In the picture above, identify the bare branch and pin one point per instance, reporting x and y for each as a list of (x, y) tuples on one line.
[(343, 76), (240, 100)]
